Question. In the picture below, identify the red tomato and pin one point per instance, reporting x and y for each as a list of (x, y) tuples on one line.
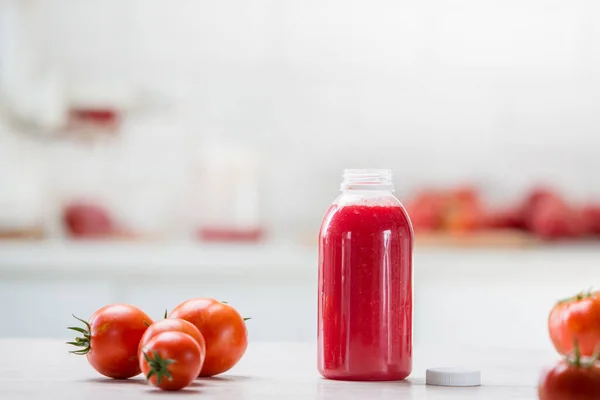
[(554, 219), (223, 329), (171, 360), (508, 218), (571, 380), (465, 195), (577, 318), (464, 219), (111, 338), (535, 197), (173, 325), (425, 211), (591, 214)]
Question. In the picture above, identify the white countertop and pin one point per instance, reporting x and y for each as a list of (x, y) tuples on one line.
[(36, 369)]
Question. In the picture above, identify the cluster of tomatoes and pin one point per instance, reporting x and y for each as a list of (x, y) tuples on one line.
[(200, 337), (542, 212), (574, 326)]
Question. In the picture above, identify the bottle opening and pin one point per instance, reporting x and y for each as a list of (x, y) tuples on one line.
[(367, 179)]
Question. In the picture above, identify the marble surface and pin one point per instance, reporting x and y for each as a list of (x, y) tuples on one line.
[(42, 369)]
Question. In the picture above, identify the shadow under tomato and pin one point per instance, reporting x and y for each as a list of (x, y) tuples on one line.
[(224, 378), (116, 381), (182, 392)]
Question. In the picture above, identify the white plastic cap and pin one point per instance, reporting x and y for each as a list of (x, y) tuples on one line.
[(453, 377)]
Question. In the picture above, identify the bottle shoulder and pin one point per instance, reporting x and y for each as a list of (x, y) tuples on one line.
[(367, 198), (360, 213)]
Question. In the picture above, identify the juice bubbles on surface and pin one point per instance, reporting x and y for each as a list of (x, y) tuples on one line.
[(365, 282)]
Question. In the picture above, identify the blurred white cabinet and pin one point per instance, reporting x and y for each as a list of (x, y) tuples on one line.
[(282, 311), (481, 298), (44, 283), (35, 308), (278, 311)]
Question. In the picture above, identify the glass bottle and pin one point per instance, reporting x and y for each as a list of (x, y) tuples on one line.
[(365, 282)]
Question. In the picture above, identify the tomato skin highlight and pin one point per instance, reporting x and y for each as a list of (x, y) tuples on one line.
[(184, 358), (173, 325), (576, 319), (570, 382), (116, 331), (223, 328)]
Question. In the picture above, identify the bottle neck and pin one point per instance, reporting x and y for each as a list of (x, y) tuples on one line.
[(367, 179)]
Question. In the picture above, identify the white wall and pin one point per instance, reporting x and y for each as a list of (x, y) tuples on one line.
[(504, 93)]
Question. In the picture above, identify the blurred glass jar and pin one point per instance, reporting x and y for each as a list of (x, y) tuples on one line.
[(228, 191), (22, 186)]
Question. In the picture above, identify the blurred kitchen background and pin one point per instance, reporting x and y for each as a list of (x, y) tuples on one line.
[(152, 151)]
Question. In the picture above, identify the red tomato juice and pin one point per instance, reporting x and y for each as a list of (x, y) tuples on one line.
[(365, 293)]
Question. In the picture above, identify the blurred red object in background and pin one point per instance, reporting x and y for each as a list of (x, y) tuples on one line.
[(536, 197), (425, 210), (458, 210), (94, 119), (543, 213), (464, 219), (463, 211), (507, 218), (87, 220), (465, 195), (552, 218), (590, 214)]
